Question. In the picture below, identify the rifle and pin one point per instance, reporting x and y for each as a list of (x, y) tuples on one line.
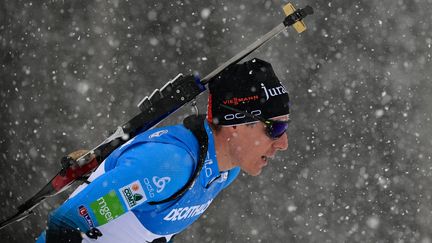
[(154, 108)]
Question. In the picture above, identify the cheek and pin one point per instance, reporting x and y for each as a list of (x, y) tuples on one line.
[(253, 141), (262, 142), (251, 145)]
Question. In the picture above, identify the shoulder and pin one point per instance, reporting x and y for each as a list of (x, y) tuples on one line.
[(160, 142), (176, 135), (164, 159)]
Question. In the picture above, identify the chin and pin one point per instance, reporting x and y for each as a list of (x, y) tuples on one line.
[(254, 173)]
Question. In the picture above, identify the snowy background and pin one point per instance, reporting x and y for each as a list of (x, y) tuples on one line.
[(358, 168)]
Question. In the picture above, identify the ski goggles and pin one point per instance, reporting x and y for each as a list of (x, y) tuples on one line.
[(274, 128)]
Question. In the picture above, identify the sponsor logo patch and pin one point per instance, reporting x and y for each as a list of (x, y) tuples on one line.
[(208, 162), (133, 194), (84, 213), (160, 183), (186, 212), (158, 133), (233, 116), (272, 92), (149, 187), (107, 208), (237, 100)]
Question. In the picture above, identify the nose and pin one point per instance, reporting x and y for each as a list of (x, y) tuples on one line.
[(282, 142)]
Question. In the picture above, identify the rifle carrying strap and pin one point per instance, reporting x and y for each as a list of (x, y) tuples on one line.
[(196, 125)]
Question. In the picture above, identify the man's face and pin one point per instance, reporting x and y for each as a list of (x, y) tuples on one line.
[(252, 148)]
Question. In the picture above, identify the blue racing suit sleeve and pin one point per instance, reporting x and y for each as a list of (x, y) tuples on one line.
[(144, 172), (167, 166)]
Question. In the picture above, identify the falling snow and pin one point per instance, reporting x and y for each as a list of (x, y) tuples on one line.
[(358, 167)]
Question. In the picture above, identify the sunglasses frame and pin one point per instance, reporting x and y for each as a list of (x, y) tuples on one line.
[(267, 123)]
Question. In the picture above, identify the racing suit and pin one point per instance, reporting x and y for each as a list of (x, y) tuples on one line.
[(148, 168)]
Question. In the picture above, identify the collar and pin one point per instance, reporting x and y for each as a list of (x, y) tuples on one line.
[(210, 171)]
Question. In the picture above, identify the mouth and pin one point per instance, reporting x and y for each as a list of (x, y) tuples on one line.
[(264, 159)]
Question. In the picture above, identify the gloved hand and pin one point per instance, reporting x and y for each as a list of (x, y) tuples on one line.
[(76, 154), (71, 171), (70, 159)]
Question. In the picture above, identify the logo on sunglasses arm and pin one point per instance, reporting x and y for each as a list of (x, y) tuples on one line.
[(280, 90)]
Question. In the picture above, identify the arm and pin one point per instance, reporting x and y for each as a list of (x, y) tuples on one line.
[(164, 167)]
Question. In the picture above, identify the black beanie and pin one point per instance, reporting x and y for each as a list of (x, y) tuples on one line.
[(251, 86)]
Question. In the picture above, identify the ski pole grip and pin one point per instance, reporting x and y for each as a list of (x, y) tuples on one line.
[(297, 15)]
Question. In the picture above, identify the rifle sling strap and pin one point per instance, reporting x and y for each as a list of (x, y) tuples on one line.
[(196, 125)]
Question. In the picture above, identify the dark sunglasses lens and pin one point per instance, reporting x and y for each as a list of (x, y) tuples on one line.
[(277, 129)]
